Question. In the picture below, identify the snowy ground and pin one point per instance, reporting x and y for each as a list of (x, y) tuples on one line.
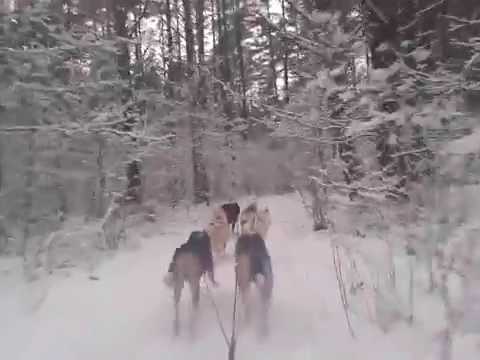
[(127, 312)]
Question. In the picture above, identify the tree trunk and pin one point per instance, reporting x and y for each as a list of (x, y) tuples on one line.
[(22, 4), (120, 13), (4, 6), (189, 36), (214, 23), (28, 196), (170, 56), (134, 182), (200, 179), (214, 64), (225, 58), (139, 66), (383, 29), (59, 184), (201, 97), (1, 165), (200, 22), (318, 205), (271, 51), (442, 32), (177, 32), (101, 178), (286, 95), (238, 36)]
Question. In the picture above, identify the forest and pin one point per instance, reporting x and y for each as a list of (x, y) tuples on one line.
[(356, 121)]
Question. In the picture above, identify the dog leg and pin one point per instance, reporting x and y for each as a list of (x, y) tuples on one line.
[(168, 279), (195, 290), (264, 283), (243, 280), (123, 235), (246, 304), (177, 293), (264, 315)]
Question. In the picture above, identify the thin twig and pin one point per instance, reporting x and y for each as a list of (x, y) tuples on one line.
[(340, 274), (233, 340), (341, 287)]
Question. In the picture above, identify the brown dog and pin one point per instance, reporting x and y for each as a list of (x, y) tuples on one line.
[(247, 219), (263, 222), (190, 262), (253, 220)]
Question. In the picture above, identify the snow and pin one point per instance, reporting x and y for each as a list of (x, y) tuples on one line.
[(420, 54), (465, 145), (127, 313)]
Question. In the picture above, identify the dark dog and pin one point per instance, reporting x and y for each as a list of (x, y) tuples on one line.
[(254, 265), (232, 210), (190, 262)]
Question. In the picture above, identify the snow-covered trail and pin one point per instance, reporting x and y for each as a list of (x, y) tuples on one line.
[(127, 313)]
